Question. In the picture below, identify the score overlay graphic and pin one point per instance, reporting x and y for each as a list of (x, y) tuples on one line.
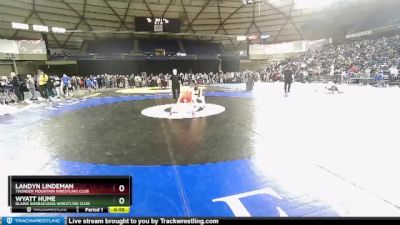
[(70, 194)]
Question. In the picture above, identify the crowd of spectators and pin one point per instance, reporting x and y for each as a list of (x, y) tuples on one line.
[(15, 88), (377, 60), (373, 59)]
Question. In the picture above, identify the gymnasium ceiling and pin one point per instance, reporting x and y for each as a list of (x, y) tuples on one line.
[(218, 20)]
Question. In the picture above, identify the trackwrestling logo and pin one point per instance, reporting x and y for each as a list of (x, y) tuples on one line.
[(33, 220)]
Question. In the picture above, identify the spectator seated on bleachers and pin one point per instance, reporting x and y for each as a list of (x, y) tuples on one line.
[(379, 79), (353, 56)]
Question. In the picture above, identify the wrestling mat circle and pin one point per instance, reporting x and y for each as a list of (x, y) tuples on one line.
[(182, 111)]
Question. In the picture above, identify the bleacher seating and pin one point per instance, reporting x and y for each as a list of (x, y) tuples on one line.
[(148, 46), (110, 46), (202, 47)]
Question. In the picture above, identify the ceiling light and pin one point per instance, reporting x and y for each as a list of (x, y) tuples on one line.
[(40, 28), (241, 38), (246, 2), (58, 30), (21, 26), (252, 37), (264, 36)]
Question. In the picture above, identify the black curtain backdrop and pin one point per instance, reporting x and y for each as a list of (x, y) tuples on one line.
[(89, 67), (58, 70), (230, 65)]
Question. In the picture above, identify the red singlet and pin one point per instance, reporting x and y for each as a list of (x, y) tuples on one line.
[(186, 95)]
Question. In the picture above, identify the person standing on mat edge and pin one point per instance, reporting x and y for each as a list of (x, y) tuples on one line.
[(30, 84), (43, 78), (287, 79), (17, 86), (175, 84)]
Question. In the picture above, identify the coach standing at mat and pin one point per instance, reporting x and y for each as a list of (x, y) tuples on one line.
[(175, 84)]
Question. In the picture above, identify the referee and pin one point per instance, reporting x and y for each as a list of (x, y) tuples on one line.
[(175, 85)]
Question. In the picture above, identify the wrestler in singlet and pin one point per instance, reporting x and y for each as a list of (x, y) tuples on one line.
[(185, 95), (197, 91)]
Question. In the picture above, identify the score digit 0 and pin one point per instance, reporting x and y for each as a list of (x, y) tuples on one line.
[(121, 188), (121, 200)]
